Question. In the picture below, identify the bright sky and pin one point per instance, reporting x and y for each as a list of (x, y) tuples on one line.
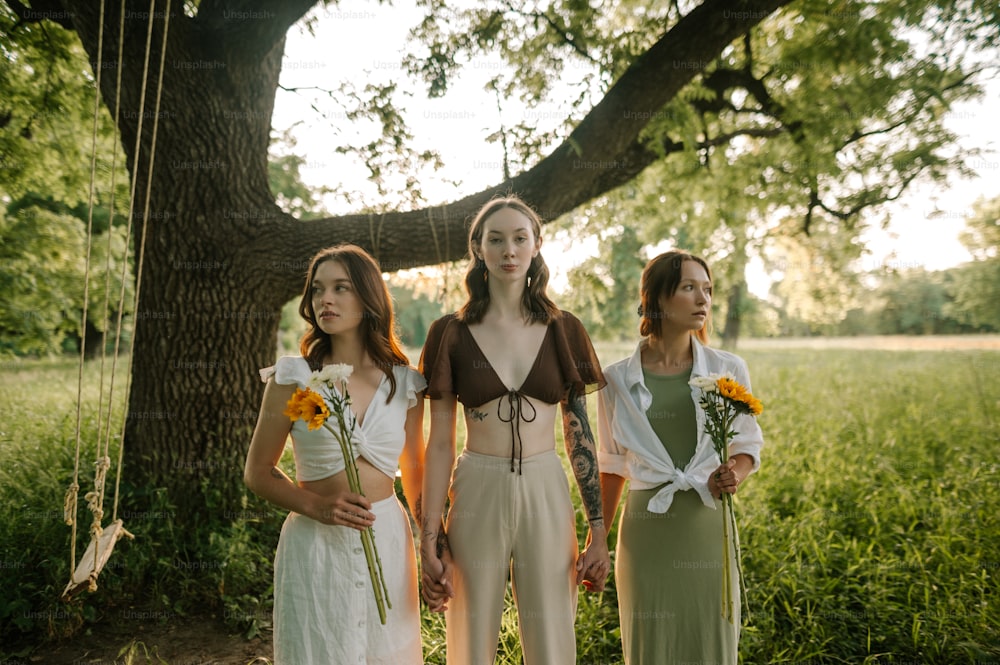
[(353, 41)]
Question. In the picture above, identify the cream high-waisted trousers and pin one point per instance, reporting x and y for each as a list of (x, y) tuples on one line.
[(523, 524)]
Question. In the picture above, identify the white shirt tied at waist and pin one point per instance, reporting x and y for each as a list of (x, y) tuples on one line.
[(648, 476), (629, 447)]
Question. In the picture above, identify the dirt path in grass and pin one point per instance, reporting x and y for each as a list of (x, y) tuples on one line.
[(188, 641)]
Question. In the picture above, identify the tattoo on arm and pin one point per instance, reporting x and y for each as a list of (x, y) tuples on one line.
[(582, 455), (276, 473), (442, 543), (439, 537)]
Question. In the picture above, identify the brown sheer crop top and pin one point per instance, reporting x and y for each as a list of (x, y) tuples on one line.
[(452, 362)]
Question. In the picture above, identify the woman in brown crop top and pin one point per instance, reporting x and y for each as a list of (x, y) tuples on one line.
[(509, 356)]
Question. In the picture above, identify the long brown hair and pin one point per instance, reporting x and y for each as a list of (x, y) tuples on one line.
[(378, 326), (534, 301), (662, 275)]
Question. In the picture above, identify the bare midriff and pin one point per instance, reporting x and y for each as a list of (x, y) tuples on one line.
[(530, 425), (376, 485)]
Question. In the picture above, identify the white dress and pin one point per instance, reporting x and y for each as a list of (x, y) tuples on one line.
[(324, 606)]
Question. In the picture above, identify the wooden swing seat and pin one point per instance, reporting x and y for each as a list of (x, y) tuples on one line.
[(97, 555)]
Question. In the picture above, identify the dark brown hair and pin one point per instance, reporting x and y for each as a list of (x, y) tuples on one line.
[(662, 275), (378, 327), (535, 303)]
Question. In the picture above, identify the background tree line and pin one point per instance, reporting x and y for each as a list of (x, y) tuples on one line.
[(41, 284)]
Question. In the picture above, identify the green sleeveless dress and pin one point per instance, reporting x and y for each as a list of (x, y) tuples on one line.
[(669, 566)]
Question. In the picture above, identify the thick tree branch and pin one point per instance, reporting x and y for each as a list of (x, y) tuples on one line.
[(603, 152)]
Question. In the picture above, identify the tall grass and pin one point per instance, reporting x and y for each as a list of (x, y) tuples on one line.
[(870, 535), (871, 532)]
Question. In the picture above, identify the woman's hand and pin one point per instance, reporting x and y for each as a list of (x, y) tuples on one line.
[(343, 509), (594, 563), (436, 580), (724, 479)]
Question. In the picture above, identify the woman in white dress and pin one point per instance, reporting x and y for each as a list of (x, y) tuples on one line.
[(324, 606)]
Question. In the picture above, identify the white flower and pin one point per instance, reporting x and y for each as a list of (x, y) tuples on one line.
[(330, 376), (707, 383), (710, 383)]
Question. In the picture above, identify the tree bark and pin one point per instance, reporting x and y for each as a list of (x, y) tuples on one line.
[(734, 315), (218, 258)]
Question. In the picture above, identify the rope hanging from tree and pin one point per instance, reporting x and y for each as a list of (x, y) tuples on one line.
[(103, 538)]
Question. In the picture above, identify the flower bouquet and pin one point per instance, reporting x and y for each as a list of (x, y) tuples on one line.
[(723, 398), (315, 404)]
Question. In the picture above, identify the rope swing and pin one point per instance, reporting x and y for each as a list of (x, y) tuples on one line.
[(103, 538)]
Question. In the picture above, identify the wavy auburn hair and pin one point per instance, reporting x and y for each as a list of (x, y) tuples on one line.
[(662, 275), (534, 302), (378, 324)]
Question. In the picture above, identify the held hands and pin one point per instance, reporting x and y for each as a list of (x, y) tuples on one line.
[(435, 581), (594, 563), (343, 509), (724, 479), (436, 573)]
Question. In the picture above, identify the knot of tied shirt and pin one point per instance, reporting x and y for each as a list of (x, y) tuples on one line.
[(680, 482)]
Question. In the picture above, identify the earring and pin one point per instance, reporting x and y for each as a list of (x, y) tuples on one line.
[(486, 275)]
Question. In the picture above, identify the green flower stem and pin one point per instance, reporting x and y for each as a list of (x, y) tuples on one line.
[(721, 415), (374, 561), (727, 596), (739, 557), (727, 579)]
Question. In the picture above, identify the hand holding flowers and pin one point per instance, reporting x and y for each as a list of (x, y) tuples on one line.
[(326, 396), (723, 398)]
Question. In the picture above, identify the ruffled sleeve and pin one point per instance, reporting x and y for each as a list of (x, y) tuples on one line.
[(414, 382), (435, 359), (287, 371), (578, 361)]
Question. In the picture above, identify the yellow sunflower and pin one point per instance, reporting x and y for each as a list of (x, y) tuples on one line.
[(308, 406), (731, 390)]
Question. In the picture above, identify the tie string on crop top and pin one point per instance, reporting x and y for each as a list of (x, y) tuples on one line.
[(565, 360), (515, 415)]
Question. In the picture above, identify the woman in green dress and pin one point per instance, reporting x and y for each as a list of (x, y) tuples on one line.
[(652, 433)]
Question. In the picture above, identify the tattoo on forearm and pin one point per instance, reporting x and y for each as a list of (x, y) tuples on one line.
[(438, 536), (442, 543), (276, 473), (582, 456), (475, 414)]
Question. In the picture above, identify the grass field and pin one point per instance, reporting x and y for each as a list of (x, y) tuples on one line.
[(870, 535)]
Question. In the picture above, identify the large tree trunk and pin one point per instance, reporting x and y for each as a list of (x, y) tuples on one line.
[(220, 259), (209, 304)]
